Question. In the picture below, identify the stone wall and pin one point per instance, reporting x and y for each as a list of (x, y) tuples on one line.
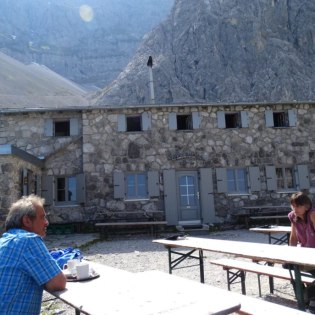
[(100, 149)]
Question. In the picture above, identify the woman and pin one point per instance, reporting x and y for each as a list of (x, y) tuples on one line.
[(302, 219)]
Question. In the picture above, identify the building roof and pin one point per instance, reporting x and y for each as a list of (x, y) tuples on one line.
[(36, 86)]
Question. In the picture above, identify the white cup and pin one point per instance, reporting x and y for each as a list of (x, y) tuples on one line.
[(83, 270), (71, 266)]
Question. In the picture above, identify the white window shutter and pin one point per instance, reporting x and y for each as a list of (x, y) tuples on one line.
[(121, 121), (153, 184), (221, 180), (292, 117), (303, 177), (74, 127), (146, 121), (49, 128), (244, 119), (196, 120), (80, 179), (172, 121), (119, 185), (254, 178), (271, 178), (269, 118), (221, 119)]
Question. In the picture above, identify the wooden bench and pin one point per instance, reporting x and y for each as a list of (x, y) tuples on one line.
[(245, 266), (153, 225)]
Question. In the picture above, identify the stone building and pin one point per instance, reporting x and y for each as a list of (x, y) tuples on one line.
[(189, 164)]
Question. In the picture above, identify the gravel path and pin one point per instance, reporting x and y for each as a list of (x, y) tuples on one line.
[(138, 253)]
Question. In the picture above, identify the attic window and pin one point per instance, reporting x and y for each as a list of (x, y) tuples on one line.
[(184, 122), (133, 123), (232, 120), (280, 119), (62, 128)]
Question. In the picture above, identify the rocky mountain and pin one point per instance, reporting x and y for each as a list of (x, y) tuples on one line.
[(224, 51), (89, 42)]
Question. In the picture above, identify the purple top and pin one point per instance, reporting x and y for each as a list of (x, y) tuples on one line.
[(304, 229)]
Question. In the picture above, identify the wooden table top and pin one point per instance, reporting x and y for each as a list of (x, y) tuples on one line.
[(255, 251), (120, 292), (273, 229)]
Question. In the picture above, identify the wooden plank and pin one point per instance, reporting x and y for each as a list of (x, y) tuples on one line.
[(276, 272)]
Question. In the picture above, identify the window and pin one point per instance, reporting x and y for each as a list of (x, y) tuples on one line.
[(232, 120), (236, 180), (184, 121), (63, 190), (61, 127), (187, 191), (66, 189), (280, 119), (287, 178), (132, 123), (136, 186)]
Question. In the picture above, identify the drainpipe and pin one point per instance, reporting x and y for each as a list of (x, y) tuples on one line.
[(150, 65)]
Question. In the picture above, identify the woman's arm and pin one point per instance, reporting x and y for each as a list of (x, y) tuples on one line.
[(293, 238), (312, 217)]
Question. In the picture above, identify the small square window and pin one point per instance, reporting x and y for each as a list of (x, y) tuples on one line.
[(184, 122), (62, 128), (134, 123), (280, 119), (232, 120)]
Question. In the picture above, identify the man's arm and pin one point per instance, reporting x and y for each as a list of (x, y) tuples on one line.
[(57, 283)]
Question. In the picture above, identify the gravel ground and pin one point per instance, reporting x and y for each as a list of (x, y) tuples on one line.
[(138, 253)]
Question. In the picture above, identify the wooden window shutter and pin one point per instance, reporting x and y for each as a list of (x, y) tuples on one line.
[(121, 122), (196, 120), (47, 189), (74, 127), (170, 197), (221, 119), (206, 196), (244, 119), (146, 121), (292, 117), (153, 184), (119, 184), (221, 180), (49, 128), (254, 178), (172, 121), (80, 188), (269, 118), (271, 178), (303, 177)]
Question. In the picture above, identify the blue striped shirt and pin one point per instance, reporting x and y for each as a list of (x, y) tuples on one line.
[(25, 266)]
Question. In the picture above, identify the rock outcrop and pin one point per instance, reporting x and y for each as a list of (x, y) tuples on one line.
[(224, 51)]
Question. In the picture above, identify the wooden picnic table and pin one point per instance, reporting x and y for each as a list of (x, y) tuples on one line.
[(297, 256), (119, 292), (273, 232)]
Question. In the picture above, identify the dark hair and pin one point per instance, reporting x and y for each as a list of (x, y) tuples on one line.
[(300, 199), (26, 206)]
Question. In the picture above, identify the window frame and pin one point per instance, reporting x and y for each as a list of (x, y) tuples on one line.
[(138, 185), (236, 180), (66, 189)]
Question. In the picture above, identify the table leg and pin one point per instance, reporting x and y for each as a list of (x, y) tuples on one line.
[(299, 288)]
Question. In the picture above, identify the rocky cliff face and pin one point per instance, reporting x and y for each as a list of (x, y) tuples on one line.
[(89, 43), (224, 51)]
